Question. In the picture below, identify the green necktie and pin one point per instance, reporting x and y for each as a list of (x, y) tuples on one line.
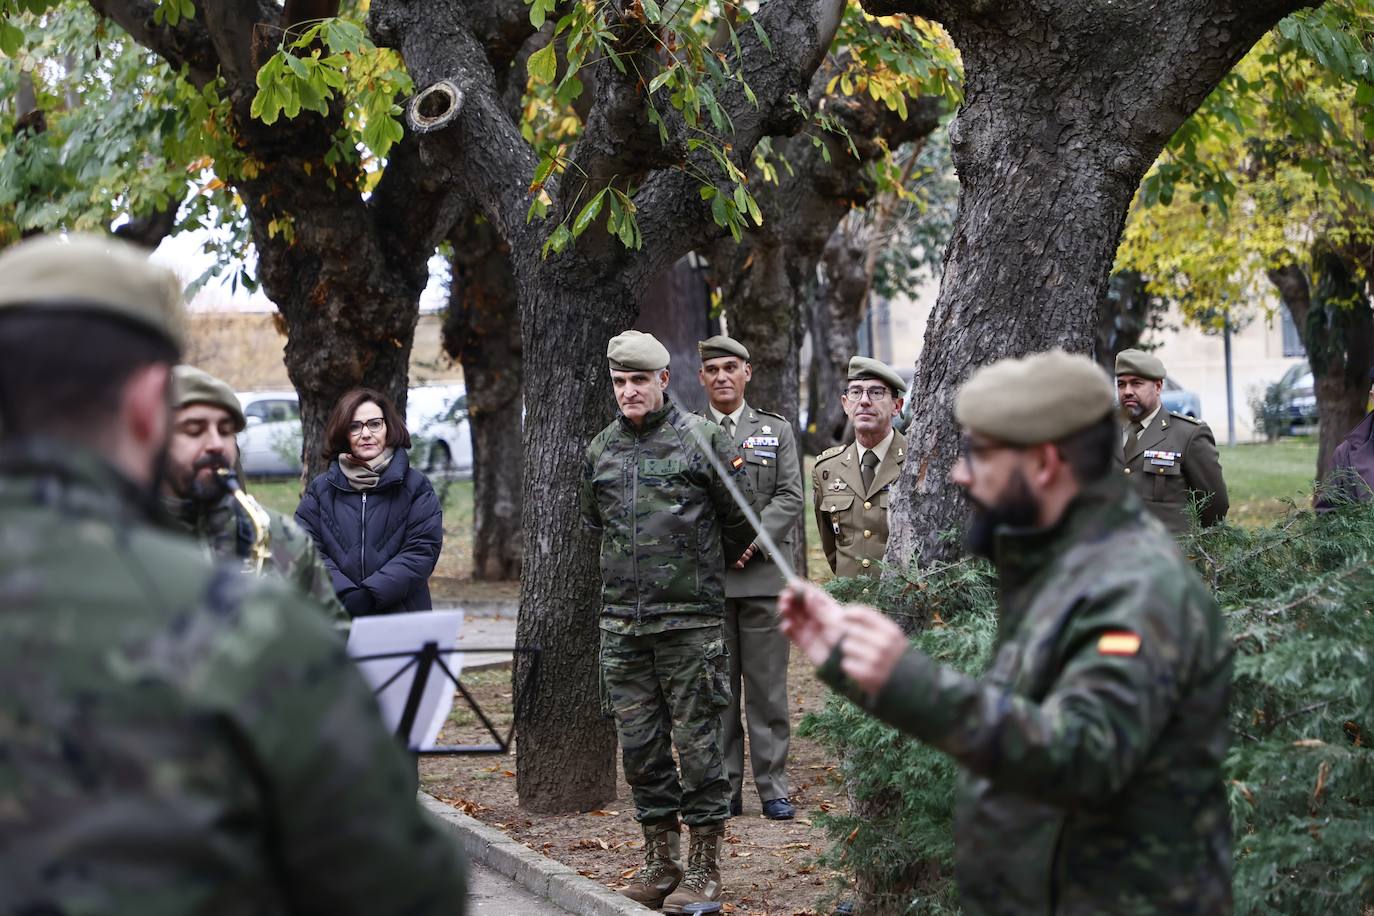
[(869, 467), (728, 424)]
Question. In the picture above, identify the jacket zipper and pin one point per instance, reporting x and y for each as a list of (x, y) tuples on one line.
[(362, 542), (634, 531)]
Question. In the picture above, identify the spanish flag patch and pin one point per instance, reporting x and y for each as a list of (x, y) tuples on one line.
[(1118, 642), (737, 463)]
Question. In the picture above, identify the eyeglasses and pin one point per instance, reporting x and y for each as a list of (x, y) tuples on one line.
[(875, 394), (968, 449), (375, 425)]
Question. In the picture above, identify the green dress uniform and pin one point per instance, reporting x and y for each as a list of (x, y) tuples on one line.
[(180, 738), (852, 518), (758, 651), (1172, 461), (666, 522)]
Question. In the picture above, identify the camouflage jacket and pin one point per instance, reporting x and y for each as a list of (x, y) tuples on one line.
[(667, 522), (1092, 747), (180, 738), (222, 528)]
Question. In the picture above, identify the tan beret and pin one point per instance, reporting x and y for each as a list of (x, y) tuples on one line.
[(721, 346), (96, 274), (1138, 362), (863, 367), (196, 386), (1041, 398), (635, 351)]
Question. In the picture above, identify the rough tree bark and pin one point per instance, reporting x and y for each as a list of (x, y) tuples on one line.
[(570, 304), (345, 272), (1067, 103), (1337, 328), (482, 331), (834, 311), (1126, 312), (767, 279)]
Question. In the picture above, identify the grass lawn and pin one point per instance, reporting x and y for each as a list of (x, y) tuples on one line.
[(1261, 478)]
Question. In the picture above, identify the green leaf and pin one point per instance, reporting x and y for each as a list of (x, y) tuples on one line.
[(539, 11), (652, 10), (588, 213), (542, 172), (558, 240), (543, 65), (11, 39)]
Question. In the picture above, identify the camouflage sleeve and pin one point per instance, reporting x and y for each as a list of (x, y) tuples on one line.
[(735, 531), (591, 515), (337, 789), (1123, 669), (1202, 470), (785, 506), (298, 560)]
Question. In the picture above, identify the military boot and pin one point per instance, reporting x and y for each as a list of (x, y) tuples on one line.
[(662, 864), (701, 884)]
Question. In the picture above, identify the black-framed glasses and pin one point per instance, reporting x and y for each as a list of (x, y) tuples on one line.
[(875, 394), (375, 425)]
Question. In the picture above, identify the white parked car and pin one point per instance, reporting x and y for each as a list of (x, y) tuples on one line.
[(270, 446), (436, 417)]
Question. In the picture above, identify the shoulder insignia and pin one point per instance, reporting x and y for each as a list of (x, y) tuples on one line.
[(1184, 417), (831, 452), (769, 413)]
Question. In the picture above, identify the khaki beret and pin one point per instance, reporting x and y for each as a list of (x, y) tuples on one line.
[(1138, 362), (721, 346), (196, 386), (1041, 398), (96, 274), (635, 351), (864, 367)]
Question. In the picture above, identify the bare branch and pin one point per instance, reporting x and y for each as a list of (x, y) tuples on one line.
[(480, 152), (188, 43)]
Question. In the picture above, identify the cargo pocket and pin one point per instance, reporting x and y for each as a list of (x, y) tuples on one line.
[(604, 692), (1169, 485), (836, 505), (716, 671)]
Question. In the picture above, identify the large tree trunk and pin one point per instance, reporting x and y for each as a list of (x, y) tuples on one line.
[(1337, 328), (482, 331), (567, 748), (1066, 106), (835, 308), (1126, 312)]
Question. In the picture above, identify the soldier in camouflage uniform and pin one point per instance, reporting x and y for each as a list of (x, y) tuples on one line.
[(178, 738), (206, 418), (667, 525), (1092, 747)]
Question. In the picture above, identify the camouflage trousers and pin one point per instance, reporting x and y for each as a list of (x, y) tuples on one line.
[(667, 690)]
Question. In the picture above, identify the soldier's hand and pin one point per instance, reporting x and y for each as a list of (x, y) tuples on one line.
[(746, 556), (872, 646), (811, 619)]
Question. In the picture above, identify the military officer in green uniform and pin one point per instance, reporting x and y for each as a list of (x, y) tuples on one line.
[(1092, 747), (179, 738), (758, 652), (668, 526), (850, 483), (206, 419), (1170, 458)]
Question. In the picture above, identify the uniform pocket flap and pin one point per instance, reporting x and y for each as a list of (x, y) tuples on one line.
[(836, 502), (754, 456), (1163, 470)]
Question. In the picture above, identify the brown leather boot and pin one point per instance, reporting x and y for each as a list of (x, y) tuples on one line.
[(662, 864), (701, 884)]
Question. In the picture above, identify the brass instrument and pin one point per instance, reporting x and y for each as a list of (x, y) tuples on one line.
[(260, 551)]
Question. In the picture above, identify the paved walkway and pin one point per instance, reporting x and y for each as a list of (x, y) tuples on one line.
[(484, 630), (491, 894)]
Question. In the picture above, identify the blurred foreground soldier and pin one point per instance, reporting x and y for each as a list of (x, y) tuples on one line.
[(206, 418), (850, 482), (758, 651), (1092, 747), (1169, 457), (663, 514), (178, 737), (1351, 478)]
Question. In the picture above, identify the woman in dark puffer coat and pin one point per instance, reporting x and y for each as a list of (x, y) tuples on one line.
[(376, 520)]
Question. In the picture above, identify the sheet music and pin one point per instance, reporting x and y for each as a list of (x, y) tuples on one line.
[(383, 633)]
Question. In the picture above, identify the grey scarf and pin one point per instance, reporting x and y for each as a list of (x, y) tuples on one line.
[(364, 475)]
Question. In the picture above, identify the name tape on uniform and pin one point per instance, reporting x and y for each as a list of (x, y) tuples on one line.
[(1120, 642)]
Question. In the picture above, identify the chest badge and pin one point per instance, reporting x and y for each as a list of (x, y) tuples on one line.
[(766, 430)]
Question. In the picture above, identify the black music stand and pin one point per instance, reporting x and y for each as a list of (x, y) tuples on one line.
[(423, 661)]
